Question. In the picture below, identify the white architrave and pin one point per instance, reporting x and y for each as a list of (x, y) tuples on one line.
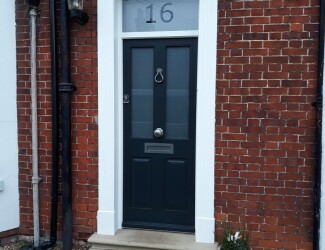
[(110, 122)]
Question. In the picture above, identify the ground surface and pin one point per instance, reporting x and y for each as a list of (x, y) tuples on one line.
[(25, 245)]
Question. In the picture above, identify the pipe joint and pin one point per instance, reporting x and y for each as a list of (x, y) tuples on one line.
[(37, 180), (33, 11), (67, 87)]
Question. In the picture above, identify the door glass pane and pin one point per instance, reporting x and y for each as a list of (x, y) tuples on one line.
[(160, 15), (142, 92), (177, 119)]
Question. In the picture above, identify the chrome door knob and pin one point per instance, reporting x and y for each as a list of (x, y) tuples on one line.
[(159, 132)]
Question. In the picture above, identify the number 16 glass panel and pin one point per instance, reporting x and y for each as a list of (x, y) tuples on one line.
[(160, 15)]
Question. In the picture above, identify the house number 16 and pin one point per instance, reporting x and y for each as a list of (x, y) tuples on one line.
[(166, 15)]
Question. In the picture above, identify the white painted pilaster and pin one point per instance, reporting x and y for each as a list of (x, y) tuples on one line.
[(9, 196), (205, 123), (322, 201), (107, 74)]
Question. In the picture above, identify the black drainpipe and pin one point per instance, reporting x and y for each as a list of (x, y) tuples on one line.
[(54, 94), (319, 106), (65, 89)]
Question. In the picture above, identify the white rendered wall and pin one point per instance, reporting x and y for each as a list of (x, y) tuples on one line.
[(9, 198)]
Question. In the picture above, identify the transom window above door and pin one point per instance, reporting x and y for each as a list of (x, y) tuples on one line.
[(160, 15)]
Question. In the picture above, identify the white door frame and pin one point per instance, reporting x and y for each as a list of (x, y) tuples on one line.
[(110, 116)]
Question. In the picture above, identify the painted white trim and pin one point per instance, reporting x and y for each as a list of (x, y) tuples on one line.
[(107, 74), (205, 122), (165, 34), (110, 121), (322, 187), (119, 107), (9, 192)]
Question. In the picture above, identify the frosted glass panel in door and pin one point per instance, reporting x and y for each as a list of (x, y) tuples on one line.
[(177, 118), (142, 92), (160, 15)]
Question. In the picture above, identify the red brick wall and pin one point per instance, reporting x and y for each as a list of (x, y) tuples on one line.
[(84, 115), (266, 82), (267, 65)]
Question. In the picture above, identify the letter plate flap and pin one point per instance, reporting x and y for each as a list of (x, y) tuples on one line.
[(159, 148)]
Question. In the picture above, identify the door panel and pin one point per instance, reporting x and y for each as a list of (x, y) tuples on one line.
[(141, 186), (159, 168), (176, 182)]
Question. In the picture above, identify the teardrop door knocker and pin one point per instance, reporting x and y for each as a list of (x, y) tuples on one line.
[(159, 75)]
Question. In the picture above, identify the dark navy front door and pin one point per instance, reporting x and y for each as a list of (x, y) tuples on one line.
[(159, 133)]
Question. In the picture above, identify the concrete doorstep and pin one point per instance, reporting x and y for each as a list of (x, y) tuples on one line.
[(127, 239)]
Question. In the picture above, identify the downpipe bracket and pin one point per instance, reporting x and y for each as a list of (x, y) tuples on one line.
[(67, 87), (36, 180)]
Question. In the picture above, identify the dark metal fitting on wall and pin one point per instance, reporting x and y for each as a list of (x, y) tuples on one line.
[(34, 3), (79, 16), (67, 87), (33, 7), (76, 11), (318, 103)]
